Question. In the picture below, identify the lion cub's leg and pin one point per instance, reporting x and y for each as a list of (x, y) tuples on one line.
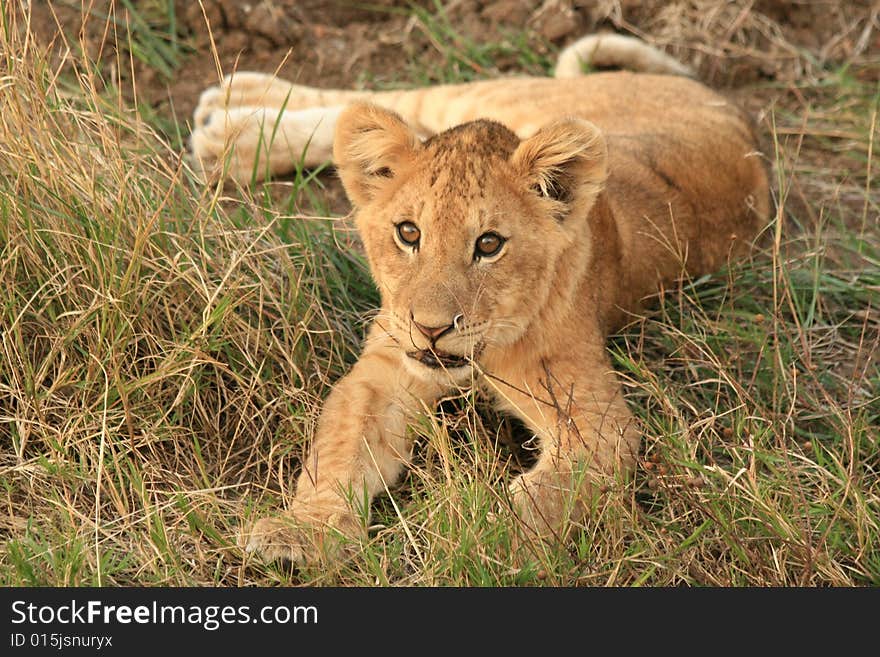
[(586, 432), (360, 447)]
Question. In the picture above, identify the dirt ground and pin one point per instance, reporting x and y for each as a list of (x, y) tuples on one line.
[(760, 52), (341, 43)]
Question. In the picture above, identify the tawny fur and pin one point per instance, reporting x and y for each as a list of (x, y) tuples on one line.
[(604, 187), (615, 50)]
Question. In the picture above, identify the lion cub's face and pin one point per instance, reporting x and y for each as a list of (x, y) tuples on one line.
[(464, 233)]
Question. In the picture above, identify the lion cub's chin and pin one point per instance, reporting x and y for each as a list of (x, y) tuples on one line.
[(457, 375)]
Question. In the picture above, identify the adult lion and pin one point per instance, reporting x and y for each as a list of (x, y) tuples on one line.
[(510, 226)]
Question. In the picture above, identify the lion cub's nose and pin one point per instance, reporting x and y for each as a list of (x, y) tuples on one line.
[(433, 332)]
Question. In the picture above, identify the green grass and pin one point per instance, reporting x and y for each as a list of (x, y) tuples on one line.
[(464, 59), (166, 346), (147, 31)]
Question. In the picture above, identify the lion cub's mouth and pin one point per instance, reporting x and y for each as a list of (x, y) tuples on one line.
[(437, 359)]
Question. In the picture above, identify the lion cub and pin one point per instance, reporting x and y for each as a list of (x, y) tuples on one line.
[(510, 225)]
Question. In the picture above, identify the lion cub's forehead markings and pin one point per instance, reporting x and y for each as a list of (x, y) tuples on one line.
[(458, 164), (479, 138), (466, 153)]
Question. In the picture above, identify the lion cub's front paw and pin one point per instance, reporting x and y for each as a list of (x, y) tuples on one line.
[(291, 538), (279, 539), (546, 502)]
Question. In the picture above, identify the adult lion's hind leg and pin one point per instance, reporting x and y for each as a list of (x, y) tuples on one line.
[(246, 89), (255, 125), (253, 143)]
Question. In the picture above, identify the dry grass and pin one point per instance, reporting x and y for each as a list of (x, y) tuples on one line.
[(754, 39), (165, 348)]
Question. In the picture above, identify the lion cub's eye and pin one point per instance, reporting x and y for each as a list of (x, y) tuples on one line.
[(488, 245), (408, 233)]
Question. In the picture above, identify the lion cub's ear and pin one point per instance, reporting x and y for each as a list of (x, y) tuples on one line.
[(565, 161), (370, 146)]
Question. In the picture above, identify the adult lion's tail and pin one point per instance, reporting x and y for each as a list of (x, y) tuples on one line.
[(616, 51)]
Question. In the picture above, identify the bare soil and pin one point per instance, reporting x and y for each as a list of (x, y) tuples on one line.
[(339, 43), (768, 55)]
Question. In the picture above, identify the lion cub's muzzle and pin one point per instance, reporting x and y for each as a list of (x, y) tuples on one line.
[(431, 356), (438, 359)]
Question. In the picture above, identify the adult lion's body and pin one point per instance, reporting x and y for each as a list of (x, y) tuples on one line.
[(510, 225)]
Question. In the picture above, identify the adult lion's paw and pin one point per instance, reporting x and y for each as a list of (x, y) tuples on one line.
[(234, 140), (293, 538), (244, 89), (251, 143)]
